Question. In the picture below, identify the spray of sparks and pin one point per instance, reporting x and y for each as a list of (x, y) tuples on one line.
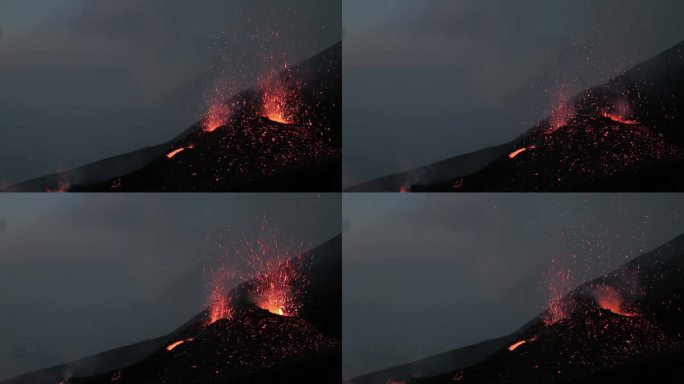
[(217, 116), (281, 101), (280, 282), (562, 113), (559, 281), (275, 269)]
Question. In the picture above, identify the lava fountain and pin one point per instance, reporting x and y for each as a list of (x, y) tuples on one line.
[(559, 281), (610, 299), (280, 99), (279, 279), (219, 303), (562, 113), (275, 273), (217, 116)]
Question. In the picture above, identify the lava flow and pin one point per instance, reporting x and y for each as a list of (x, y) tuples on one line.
[(173, 153), (515, 345), (280, 99), (520, 150), (610, 299), (177, 343), (619, 119)]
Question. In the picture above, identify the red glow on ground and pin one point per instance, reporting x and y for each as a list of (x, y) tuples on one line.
[(62, 186), (216, 117), (177, 343), (392, 381), (610, 299), (619, 119), (520, 150), (405, 188), (173, 153)]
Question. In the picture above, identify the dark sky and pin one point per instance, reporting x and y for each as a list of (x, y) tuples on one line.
[(86, 79), (81, 274), (430, 79), (428, 273)]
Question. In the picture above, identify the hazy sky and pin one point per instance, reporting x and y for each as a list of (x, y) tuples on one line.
[(428, 273), (430, 79), (82, 80), (81, 274)]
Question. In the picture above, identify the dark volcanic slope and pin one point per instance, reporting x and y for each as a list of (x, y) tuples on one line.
[(243, 150), (253, 346), (624, 135), (624, 327), (434, 365)]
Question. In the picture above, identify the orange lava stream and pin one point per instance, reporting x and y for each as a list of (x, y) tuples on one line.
[(520, 150), (177, 343), (516, 345), (177, 151), (619, 119)]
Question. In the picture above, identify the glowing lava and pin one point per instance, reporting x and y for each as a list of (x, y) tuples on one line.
[(516, 345), (520, 150), (177, 343), (405, 188), (280, 99), (619, 119), (277, 281), (610, 299), (218, 302), (521, 342), (173, 153), (277, 291), (216, 117)]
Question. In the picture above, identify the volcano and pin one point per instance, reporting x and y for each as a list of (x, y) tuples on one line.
[(282, 135), (252, 345), (626, 326), (624, 135)]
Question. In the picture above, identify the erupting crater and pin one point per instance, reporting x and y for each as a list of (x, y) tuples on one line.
[(610, 299)]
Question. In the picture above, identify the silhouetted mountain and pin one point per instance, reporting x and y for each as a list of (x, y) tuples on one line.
[(252, 346), (238, 147), (626, 326), (624, 135)]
